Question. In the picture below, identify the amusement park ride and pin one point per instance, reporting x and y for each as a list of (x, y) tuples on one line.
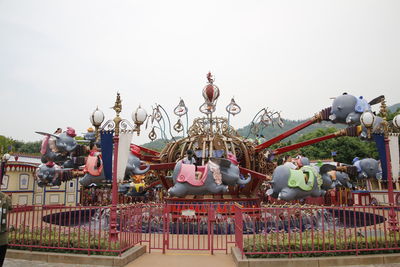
[(211, 162)]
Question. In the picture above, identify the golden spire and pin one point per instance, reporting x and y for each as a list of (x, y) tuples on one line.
[(117, 107)]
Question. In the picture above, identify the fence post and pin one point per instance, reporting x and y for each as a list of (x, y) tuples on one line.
[(165, 235), (239, 227), (210, 232)]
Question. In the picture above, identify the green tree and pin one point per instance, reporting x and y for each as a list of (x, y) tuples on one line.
[(346, 148)]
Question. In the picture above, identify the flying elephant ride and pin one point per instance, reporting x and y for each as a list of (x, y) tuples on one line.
[(211, 162), (214, 143)]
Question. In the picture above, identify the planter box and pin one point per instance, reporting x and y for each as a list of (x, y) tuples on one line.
[(315, 261), (68, 258)]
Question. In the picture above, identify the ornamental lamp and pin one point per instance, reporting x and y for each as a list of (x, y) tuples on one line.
[(139, 116), (97, 117), (233, 108), (6, 157), (367, 120), (396, 121)]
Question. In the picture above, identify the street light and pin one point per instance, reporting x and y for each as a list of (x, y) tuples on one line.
[(97, 117), (4, 160), (367, 120)]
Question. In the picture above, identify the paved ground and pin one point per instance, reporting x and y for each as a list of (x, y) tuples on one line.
[(23, 263), (183, 260), (153, 260), (160, 260)]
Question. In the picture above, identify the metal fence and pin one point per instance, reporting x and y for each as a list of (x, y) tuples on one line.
[(82, 229), (280, 231), (188, 226), (85, 229), (317, 231)]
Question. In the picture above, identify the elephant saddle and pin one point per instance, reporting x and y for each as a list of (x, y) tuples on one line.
[(189, 174), (94, 165), (303, 178)]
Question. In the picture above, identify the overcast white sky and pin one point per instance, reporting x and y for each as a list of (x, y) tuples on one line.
[(60, 59)]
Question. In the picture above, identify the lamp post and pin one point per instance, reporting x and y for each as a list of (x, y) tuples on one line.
[(367, 119), (3, 166), (139, 116), (97, 119)]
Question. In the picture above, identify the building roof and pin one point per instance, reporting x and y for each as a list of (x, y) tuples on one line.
[(24, 159)]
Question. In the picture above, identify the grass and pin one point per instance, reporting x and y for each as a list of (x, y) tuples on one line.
[(317, 244), (51, 240)]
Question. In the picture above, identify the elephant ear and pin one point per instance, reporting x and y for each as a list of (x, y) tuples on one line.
[(326, 168), (223, 163)]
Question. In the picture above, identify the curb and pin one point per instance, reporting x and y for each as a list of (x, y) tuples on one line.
[(51, 257), (316, 261)]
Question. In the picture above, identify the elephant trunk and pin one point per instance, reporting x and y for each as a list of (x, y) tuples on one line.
[(138, 171), (244, 182)]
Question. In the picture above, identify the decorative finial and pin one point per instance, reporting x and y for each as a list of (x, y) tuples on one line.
[(118, 105), (210, 77), (383, 109)]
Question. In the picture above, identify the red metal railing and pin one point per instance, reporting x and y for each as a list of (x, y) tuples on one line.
[(179, 226), (273, 231), (81, 229), (320, 231)]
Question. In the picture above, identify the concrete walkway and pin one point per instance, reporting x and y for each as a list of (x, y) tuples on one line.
[(167, 260), (183, 260), (149, 259)]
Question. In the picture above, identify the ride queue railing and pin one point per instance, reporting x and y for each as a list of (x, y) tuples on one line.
[(82, 229), (279, 231), (276, 232)]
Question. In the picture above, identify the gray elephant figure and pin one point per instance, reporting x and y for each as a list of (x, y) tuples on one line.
[(90, 135), (323, 171), (367, 168), (342, 180), (66, 142), (132, 189), (348, 109), (89, 179), (134, 166), (49, 174), (212, 178), (57, 147), (333, 178), (123, 188), (288, 184)]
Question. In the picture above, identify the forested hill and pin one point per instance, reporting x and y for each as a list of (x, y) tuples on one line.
[(271, 132), (268, 133)]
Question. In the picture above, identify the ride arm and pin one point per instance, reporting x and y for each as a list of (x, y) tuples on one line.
[(322, 115), (349, 131)]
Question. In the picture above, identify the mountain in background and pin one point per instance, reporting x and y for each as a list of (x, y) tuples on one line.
[(271, 132), (394, 108)]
